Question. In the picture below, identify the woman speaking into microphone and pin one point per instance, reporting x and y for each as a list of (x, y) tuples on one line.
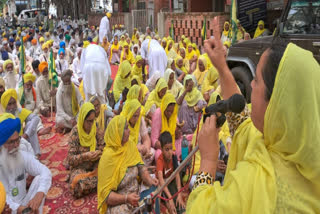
[(274, 162)]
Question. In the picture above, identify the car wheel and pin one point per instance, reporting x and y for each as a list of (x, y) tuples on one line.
[(243, 78)]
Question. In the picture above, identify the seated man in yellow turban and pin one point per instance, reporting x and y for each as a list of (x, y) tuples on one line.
[(68, 101), (30, 120), (44, 92)]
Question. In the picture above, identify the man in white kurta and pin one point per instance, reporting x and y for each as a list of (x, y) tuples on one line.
[(66, 117), (16, 165), (156, 56), (11, 77), (96, 72), (77, 74), (104, 28)]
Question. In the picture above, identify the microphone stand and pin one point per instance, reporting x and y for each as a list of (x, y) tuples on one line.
[(144, 202)]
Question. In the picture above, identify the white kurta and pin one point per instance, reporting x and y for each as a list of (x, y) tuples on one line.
[(41, 182), (76, 71), (43, 93), (11, 80), (156, 56), (64, 105), (61, 66), (96, 71), (103, 28)]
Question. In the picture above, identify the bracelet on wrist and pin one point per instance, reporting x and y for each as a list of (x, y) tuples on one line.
[(203, 178)]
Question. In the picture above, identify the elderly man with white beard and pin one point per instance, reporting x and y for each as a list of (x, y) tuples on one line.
[(31, 121), (68, 102), (15, 165), (10, 77)]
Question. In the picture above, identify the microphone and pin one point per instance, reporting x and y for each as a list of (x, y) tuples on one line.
[(235, 103)]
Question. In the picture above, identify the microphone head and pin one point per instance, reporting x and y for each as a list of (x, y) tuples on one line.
[(237, 102)]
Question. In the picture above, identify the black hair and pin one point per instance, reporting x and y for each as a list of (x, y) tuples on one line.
[(124, 94), (92, 110), (35, 64), (270, 69), (165, 138)]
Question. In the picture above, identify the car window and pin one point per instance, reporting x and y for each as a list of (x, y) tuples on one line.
[(303, 17)]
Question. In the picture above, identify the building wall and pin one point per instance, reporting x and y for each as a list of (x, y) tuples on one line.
[(200, 6), (190, 25)]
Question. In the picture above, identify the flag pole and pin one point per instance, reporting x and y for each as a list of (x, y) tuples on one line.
[(51, 85)]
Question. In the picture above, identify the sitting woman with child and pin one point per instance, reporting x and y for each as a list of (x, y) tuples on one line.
[(119, 167)]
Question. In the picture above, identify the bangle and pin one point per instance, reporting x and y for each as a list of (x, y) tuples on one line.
[(203, 178), (125, 199)]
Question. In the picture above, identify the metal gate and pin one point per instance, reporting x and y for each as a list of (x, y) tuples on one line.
[(142, 19)]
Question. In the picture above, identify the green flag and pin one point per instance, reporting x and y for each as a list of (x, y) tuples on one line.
[(172, 30), (204, 30), (53, 76), (234, 21), (22, 70)]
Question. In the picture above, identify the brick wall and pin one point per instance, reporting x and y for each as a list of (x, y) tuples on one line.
[(190, 24)]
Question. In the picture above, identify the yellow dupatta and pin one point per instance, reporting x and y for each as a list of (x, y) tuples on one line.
[(74, 101), (130, 107), (115, 160), (277, 172), (182, 68), (171, 124), (113, 47), (129, 55), (226, 32), (154, 97), (195, 48), (210, 81), (136, 70), (258, 32), (193, 97), (86, 140), (176, 86), (100, 119), (199, 75), (122, 81), (144, 88), (189, 55)]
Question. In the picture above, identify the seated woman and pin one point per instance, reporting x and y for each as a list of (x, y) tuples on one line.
[(115, 51), (137, 68), (119, 167), (126, 54), (191, 56), (165, 118), (105, 44), (195, 48), (156, 95), (182, 53), (85, 148), (191, 103), (138, 130), (135, 51), (122, 80), (210, 83), (177, 66), (152, 81), (171, 53), (103, 113), (201, 71), (174, 86), (135, 80)]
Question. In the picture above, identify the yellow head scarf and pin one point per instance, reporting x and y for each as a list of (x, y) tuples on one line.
[(129, 55), (7, 62), (189, 55), (86, 140), (226, 32), (210, 81), (5, 98), (86, 44), (182, 68), (29, 77), (136, 70), (283, 164), (200, 75), (133, 92), (171, 124), (154, 97), (113, 47), (193, 97), (128, 111), (195, 48), (100, 119), (144, 88), (176, 86), (115, 160), (258, 32), (122, 81)]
